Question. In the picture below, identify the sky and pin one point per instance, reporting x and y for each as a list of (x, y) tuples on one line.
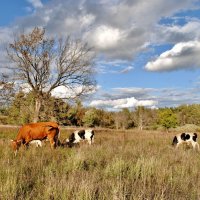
[(147, 52)]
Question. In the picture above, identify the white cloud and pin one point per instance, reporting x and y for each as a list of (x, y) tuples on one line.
[(119, 98), (122, 103), (183, 55), (64, 92), (105, 37)]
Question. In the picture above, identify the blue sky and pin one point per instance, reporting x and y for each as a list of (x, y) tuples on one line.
[(148, 52)]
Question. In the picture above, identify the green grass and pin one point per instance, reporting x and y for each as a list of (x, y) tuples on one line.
[(120, 165)]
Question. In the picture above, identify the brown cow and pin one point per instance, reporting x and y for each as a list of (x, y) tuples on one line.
[(36, 131)]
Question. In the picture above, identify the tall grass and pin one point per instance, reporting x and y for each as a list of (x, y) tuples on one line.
[(120, 165)]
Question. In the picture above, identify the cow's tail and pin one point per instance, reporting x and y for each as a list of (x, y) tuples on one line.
[(175, 141), (51, 124)]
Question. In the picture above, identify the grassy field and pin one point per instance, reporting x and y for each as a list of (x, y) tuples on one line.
[(120, 165)]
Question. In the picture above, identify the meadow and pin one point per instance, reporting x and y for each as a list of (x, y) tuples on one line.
[(121, 165)]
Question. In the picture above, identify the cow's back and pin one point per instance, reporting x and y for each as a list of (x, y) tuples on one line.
[(38, 130)]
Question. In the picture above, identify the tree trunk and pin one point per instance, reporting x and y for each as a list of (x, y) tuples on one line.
[(140, 124), (38, 103)]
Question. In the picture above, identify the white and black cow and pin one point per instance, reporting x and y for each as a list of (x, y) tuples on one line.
[(188, 138), (80, 135)]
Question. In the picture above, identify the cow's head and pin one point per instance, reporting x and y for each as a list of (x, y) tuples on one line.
[(15, 144)]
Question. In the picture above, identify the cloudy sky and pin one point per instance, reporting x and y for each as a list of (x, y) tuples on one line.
[(148, 52)]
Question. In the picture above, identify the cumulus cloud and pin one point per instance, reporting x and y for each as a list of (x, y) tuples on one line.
[(176, 33), (184, 55), (119, 98), (117, 29), (123, 103), (105, 37), (67, 93)]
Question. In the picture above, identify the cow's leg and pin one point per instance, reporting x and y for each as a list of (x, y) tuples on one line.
[(177, 145), (92, 137), (26, 144), (56, 139), (56, 135), (52, 142), (27, 140), (195, 145), (53, 137), (92, 140)]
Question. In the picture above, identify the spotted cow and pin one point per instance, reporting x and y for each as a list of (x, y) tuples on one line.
[(186, 138), (80, 135)]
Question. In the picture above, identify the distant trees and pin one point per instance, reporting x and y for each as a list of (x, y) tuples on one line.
[(167, 118), (145, 117), (75, 114), (91, 118), (124, 119), (20, 110), (188, 114), (47, 63)]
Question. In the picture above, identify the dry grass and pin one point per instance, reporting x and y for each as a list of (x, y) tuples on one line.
[(120, 165)]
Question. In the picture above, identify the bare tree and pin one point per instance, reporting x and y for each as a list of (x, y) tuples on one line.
[(47, 63)]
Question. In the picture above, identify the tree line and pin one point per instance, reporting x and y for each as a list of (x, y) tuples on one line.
[(21, 110)]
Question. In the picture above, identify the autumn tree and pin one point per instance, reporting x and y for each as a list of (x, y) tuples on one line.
[(167, 118), (61, 109), (76, 113), (91, 118), (188, 114), (47, 63)]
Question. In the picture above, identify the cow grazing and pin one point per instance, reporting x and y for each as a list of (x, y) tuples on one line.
[(80, 135), (186, 138), (36, 131)]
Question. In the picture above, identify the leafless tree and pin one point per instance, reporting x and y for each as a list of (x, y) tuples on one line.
[(47, 63)]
